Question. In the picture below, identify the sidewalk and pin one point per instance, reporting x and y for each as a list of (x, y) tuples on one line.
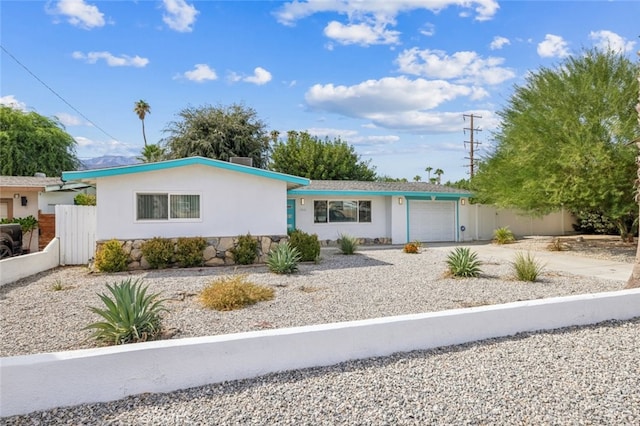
[(553, 261)]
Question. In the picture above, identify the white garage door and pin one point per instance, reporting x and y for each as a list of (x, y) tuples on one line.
[(432, 221)]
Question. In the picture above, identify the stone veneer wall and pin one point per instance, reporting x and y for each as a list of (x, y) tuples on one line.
[(361, 241), (217, 252)]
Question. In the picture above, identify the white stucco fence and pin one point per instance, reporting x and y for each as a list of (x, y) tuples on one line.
[(44, 381), (15, 268)]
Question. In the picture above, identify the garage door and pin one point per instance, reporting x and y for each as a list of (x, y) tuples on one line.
[(432, 221)]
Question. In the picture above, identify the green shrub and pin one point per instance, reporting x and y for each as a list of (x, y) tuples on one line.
[(462, 262), (283, 259), (226, 294), (307, 244), (347, 244), (189, 251), (503, 236), (111, 257), (158, 252), (246, 250), (131, 315), (412, 247), (85, 200), (526, 267)]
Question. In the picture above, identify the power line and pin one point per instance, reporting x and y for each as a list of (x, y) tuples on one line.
[(56, 93)]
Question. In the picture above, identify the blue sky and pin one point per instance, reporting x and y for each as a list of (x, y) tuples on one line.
[(393, 78)]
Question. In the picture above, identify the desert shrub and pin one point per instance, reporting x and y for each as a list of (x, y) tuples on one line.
[(347, 244), (412, 247), (235, 292), (594, 222), (246, 250), (111, 257), (283, 259), (189, 251), (556, 245), (503, 236), (130, 314), (84, 200), (462, 262), (526, 267), (307, 244), (158, 252)]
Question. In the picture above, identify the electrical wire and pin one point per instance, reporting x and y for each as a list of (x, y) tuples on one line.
[(56, 93)]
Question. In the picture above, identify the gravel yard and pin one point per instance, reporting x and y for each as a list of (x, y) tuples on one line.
[(579, 375)]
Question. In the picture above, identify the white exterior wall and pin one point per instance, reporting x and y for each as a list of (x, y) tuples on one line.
[(399, 215), (379, 226), (47, 201), (231, 204)]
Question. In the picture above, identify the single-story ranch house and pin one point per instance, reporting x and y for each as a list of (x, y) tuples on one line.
[(215, 199)]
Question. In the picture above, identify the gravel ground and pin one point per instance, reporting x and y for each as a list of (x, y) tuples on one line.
[(588, 375)]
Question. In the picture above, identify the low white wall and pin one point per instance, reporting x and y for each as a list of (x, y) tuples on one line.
[(44, 381), (14, 268)]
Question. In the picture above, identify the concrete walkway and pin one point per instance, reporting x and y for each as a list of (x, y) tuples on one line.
[(553, 261)]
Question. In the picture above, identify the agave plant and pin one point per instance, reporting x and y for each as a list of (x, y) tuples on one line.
[(284, 259), (462, 262), (131, 315)]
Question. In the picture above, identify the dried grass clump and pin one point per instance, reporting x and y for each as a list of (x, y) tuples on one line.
[(235, 292)]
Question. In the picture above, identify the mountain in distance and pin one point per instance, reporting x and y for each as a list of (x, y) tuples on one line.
[(107, 161)]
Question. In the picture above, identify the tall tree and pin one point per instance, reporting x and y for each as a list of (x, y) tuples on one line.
[(309, 156), (429, 169), (219, 133), (31, 143), (417, 178), (151, 153), (634, 279), (142, 108), (564, 140), (439, 173)]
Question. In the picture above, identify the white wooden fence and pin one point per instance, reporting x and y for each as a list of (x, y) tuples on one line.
[(76, 229)]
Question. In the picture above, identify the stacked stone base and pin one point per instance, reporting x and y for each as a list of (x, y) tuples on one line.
[(382, 241), (216, 253)]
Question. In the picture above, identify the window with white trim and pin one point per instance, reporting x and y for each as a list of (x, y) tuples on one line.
[(341, 211), (166, 206)]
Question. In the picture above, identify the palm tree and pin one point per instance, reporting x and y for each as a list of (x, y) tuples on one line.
[(142, 108), (417, 178), (428, 170), (151, 153), (439, 173)]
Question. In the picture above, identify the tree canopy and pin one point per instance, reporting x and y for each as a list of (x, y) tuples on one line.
[(309, 156), (31, 143), (564, 140), (219, 133)]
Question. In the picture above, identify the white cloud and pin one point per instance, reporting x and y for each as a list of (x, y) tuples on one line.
[(201, 73), (363, 34), (89, 148), (180, 16), (553, 46), (428, 30), (11, 101), (79, 13), (499, 42), (260, 76), (112, 60), (608, 40), (461, 66), (70, 120)]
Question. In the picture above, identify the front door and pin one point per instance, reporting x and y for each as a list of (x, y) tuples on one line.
[(291, 215)]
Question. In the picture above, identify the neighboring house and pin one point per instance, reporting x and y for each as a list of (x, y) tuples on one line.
[(22, 196), (379, 212)]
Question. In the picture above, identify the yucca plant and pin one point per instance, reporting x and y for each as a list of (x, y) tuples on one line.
[(131, 315), (503, 236), (347, 244), (464, 263), (526, 267), (284, 259)]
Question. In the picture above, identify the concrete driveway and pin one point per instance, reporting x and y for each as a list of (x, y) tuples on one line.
[(553, 260)]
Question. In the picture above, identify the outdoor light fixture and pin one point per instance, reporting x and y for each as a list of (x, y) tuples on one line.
[(463, 201), (302, 201), (400, 200), (16, 196)]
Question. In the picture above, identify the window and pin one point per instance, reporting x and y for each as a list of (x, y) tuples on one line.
[(325, 211), (165, 206)]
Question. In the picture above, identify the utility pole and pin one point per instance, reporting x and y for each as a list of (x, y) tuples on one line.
[(472, 144)]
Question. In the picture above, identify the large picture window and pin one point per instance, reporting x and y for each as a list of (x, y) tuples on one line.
[(340, 211), (165, 206)]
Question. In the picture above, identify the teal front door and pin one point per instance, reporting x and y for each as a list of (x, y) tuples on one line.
[(291, 215)]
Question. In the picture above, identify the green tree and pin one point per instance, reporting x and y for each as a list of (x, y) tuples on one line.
[(417, 178), (219, 133), (634, 279), (151, 153), (141, 108), (387, 178), (564, 140), (429, 169), (30, 143), (309, 156), (438, 173)]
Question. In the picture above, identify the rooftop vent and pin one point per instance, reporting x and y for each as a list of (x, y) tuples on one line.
[(245, 161)]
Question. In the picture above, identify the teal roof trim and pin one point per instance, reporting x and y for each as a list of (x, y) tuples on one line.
[(169, 164), (407, 194)]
